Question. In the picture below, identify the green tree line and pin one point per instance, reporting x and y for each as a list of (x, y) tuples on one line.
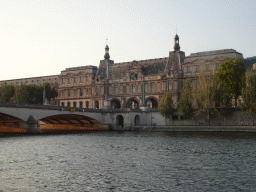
[(31, 94), (215, 92)]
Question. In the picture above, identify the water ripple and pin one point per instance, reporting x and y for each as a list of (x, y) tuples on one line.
[(127, 161)]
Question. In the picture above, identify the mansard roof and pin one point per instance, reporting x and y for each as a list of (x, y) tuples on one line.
[(212, 55), (249, 61), (147, 67)]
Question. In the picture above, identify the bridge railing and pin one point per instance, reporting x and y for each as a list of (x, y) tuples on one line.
[(72, 109), (48, 107)]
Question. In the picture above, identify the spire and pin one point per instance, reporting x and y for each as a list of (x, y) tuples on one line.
[(106, 56), (176, 43)]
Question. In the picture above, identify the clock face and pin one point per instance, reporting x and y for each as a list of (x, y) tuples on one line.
[(134, 76)]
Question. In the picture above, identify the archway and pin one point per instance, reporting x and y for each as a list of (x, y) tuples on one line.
[(96, 104), (152, 103), (137, 120), (115, 104), (132, 103), (119, 121)]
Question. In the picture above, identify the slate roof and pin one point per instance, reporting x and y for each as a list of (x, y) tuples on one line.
[(211, 55), (147, 67), (248, 62)]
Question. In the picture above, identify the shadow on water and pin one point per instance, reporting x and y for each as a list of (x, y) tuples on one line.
[(69, 129), (213, 134)]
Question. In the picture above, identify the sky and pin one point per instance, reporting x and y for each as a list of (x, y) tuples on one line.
[(43, 37)]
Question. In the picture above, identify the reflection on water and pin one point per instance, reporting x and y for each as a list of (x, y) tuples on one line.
[(129, 161)]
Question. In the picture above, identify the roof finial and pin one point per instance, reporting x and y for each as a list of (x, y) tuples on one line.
[(106, 56)]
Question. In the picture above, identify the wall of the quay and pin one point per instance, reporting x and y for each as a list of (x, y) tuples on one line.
[(131, 120)]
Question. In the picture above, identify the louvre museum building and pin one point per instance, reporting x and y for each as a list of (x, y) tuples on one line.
[(119, 85)]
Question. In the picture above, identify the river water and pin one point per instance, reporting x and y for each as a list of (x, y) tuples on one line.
[(129, 161)]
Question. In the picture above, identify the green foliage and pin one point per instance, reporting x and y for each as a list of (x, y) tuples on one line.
[(186, 102), (166, 105), (230, 75), (223, 98), (26, 93), (249, 94), (6, 92), (204, 94)]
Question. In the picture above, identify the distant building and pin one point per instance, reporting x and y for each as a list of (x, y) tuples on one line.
[(52, 79), (118, 85)]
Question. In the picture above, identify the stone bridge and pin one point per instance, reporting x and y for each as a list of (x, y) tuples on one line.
[(30, 116)]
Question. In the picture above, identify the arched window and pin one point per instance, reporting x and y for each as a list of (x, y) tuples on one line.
[(68, 104), (62, 104), (87, 104), (115, 104), (74, 104), (137, 120), (96, 104), (81, 104), (132, 104), (152, 103), (119, 120)]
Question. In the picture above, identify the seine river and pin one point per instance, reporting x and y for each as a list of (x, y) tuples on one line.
[(129, 161)]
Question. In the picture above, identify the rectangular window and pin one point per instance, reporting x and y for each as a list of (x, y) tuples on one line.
[(207, 67), (133, 88), (197, 67), (68, 93), (169, 85), (116, 89), (188, 68), (124, 89), (152, 87), (97, 90), (81, 92)]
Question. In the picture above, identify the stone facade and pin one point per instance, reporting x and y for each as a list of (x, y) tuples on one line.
[(119, 85), (52, 79)]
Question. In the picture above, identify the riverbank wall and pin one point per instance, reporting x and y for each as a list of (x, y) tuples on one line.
[(194, 128)]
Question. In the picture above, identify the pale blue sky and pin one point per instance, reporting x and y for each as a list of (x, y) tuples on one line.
[(43, 37)]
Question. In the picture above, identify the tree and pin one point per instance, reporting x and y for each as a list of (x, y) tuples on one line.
[(166, 105), (230, 75), (16, 96), (222, 99), (50, 91), (204, 94), (6, 92), (186, 102), (249, 94)]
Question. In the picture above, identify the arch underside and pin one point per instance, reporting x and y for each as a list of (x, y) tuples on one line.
[(9, 120), (69, 119)]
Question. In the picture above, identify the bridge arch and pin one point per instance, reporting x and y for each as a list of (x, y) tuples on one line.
[(39, 113), (10, 120), (70, 119)]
